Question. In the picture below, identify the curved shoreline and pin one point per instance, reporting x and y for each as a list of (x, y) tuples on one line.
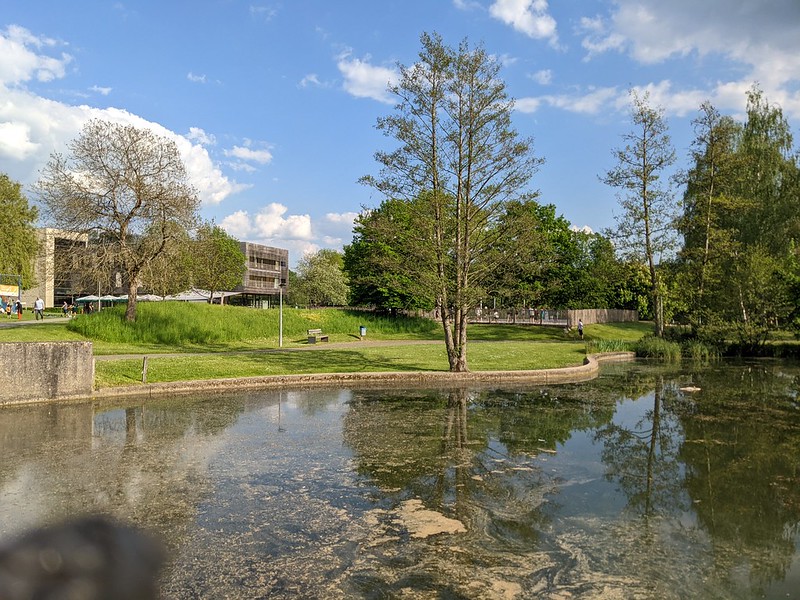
[(574, 374)]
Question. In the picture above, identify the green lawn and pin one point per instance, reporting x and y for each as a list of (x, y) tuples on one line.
[(238, 342), (482, 356)]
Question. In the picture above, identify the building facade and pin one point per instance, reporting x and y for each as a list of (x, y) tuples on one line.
[(54, 280), (267, 270)]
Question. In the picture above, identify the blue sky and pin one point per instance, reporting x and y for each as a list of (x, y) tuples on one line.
[(274, 104)]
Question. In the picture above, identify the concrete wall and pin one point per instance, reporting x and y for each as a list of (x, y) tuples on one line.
[(38, 371)]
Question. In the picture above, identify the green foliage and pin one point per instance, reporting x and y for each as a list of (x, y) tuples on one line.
[(18, 242), (383, 264), (320, 280), (217, 262), (656, 347), (596, 346)]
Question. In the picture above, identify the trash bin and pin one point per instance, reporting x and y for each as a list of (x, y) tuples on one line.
[(362, 331)]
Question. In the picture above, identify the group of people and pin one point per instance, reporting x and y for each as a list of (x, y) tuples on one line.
[(11, 307)]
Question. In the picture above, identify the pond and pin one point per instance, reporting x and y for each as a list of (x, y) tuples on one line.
[(649, 482)]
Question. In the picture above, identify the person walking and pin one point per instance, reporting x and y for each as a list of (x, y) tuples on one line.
[(580, 328), (38, 308)]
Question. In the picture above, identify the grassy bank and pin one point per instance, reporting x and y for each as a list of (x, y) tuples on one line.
[(431, 356), (225, 341)]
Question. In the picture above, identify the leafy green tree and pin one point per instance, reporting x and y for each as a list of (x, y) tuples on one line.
[(18, 242), (740, 222), (217, 262), (645, 227), (127, 188), (381, 262), (710, 197), (460, 160), (321, 280)]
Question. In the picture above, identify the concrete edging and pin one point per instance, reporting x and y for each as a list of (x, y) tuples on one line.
[(585, 372)]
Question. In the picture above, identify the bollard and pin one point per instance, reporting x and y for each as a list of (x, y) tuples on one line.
[(362, 331)]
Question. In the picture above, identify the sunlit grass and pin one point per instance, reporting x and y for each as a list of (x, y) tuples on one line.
[(482, 356)]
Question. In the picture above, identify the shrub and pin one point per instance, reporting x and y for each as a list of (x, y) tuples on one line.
[(595, 346), (698, 351), (655, 347)]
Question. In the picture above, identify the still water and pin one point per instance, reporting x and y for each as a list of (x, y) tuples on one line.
[(648, 482)]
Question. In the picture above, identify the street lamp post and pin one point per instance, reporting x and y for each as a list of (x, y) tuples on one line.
[(280, 313)]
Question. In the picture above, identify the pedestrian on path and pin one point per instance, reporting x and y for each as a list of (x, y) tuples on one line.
[(38, 308)]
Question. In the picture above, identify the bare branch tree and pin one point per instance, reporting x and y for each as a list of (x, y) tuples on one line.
[(127, 188)]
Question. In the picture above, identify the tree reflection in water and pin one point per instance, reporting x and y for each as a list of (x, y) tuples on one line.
[(622, 487)]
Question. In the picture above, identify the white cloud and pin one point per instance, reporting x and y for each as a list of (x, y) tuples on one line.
[(527, 16), (103, 91), (591, 102), (270, 225), (244, 153), (15, 141), (543, 77), (201, 137), (196, 78), (761, 40), (21, 59), (336, 229), (597, 38), (364, 80)]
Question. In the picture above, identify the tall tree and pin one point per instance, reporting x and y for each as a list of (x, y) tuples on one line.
[(711, 195), (18, 242), (119, 183), (645, 227), (217, 261), (320, 280), (460, 160)]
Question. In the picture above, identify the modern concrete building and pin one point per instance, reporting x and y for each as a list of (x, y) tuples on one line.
[(267, 269), (54, 283)]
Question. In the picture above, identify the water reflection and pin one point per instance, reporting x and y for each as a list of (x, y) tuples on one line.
[(630, 486)]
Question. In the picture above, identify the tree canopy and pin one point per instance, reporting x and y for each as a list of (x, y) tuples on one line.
[(217, 262), (320, 280), (18, 242)]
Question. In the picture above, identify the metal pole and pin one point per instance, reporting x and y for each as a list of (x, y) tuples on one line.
[(280, 320)]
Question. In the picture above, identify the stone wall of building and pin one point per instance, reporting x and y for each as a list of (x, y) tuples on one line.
[(39, 371)]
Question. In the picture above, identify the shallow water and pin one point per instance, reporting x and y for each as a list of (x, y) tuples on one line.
[(624, 487)]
